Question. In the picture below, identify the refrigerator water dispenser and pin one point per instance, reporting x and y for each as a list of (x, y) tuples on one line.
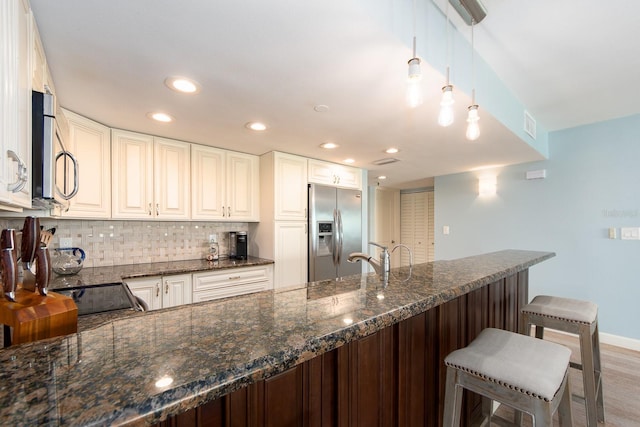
[(325, 239)]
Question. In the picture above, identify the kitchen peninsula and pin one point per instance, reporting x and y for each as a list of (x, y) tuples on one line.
[(352, 352)]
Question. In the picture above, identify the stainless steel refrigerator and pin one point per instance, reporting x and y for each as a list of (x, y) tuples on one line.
[(335, 230)]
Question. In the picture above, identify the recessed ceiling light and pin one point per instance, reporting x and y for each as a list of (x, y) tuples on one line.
[(329, 145), (257, 126), (321, 108), (391, 150), (349, 161), (182, 84), (382, 177), (160, 117)]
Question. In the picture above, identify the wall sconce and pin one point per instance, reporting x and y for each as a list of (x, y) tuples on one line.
[(487, 186)]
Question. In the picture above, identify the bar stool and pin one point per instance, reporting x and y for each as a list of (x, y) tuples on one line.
[(527, 374), (576, 317)]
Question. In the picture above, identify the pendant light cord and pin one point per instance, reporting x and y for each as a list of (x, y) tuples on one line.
[(448, 41), (473, 67), (414, 28)]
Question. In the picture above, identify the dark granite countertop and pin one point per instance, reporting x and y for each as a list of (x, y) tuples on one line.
[(107, 375), (117, 273)]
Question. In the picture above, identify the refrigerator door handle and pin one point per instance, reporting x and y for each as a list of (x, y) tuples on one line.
[(341, 234), (335, 238)]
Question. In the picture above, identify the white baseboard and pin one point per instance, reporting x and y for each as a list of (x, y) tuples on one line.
[(618, 341), (610, 339)]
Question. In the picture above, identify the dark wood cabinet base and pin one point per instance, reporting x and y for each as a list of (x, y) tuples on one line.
[(394, 377)]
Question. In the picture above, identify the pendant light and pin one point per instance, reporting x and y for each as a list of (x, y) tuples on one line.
[(445, 118), (473, 129), (414, 89)]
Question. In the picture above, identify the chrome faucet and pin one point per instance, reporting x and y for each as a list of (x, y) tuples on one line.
[(382, 267)]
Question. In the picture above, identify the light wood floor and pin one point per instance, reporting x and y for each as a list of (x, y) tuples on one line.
[(621, 384)]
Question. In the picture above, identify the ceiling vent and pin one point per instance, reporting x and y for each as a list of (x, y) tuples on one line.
[(383, 162), (469, 10), (529, 125)]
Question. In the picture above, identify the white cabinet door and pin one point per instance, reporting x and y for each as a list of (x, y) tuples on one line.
[(290, 182), (177, 290), (161, 292), (208, 183), (171, 160), (90, 143), (132, 169), (335, 175), (290, 253), (148, 290), (243, 197), (151, 178), (15, 103)]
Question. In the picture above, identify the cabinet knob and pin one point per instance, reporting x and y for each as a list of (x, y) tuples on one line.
[(228, 211), (166, 287), (157, 290), (149, 209), (157, 209)]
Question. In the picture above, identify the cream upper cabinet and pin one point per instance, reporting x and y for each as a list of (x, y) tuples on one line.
[(208, 182), (290, 187), (243, 187), (335, 175), (90, 143), (132, 179), (150, 177), (15, 99), (171, 165), (225, 185)]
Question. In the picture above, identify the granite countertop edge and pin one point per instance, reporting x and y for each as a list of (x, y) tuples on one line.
[(460, 276), (187, 397)]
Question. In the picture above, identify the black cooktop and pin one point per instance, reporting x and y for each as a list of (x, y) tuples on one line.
[(92, 299)]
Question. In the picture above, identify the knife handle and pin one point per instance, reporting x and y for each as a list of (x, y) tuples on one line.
[(30, 239), (8, 240), (9, 273), (43, 269)]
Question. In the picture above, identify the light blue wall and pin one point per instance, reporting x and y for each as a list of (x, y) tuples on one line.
[(593, 183)]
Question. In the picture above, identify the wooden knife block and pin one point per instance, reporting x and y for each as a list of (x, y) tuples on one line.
[(34, 317)]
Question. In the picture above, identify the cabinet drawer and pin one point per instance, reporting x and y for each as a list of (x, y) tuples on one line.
[(227, 283)]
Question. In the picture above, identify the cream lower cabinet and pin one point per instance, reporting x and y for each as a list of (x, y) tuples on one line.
[(290, 253), (162, 291), (212, 285), (150, 177), (225, 185), (90, 143)]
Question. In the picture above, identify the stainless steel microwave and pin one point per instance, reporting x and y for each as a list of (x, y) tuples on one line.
[(55, 178)]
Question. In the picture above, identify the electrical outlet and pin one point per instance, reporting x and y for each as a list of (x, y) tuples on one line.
[(213, 238), (65, 242)]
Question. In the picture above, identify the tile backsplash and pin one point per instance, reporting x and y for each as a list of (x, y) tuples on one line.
[(109, 243)]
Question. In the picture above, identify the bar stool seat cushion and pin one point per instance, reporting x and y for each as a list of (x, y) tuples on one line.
[(570, 310), (518, 362)]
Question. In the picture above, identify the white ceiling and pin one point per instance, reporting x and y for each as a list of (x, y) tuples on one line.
[(569, 62)]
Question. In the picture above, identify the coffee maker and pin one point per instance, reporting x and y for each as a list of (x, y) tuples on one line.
[(237, 245)]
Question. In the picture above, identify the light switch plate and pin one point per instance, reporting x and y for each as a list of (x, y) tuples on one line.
[(630, 233), (65, 242)]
